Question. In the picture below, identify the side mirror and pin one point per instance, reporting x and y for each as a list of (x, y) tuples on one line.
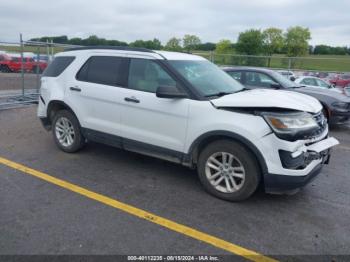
[(170, 92), (292, 78), (275, 86)]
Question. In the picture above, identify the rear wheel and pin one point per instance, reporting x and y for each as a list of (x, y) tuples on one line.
[(228, 170), (66, 132)]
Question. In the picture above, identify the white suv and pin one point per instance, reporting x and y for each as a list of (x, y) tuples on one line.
[(182, 108)]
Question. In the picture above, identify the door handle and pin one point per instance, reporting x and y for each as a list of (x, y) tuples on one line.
[(132, 99), (75, 88)]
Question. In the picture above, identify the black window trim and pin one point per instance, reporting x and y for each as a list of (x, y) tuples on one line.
[(68, 56)]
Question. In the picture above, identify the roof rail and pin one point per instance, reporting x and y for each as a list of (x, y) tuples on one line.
[(125, 48)]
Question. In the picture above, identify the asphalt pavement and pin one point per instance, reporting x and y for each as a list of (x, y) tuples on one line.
[(41, 218)]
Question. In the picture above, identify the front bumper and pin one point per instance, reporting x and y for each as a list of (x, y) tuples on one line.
[(291, 165), (279, 184)]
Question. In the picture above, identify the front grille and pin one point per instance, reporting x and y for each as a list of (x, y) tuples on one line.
[(322, 124)]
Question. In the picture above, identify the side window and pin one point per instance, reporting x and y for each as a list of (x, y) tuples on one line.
[(259, 79), (322, 84), (101, 70), (58, 65), (146, 75), (309, 82), (236, 75)]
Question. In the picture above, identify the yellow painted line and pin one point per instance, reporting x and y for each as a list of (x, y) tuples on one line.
[(182, 229)]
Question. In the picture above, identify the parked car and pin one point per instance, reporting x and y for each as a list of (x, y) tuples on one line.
[(347, 90), (336, 106), (183, 108), (288, 74), (13, 63), (340, 80), (322, 75), (310, 81)]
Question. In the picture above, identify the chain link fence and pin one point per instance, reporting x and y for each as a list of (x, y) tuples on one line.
[(21, 66)]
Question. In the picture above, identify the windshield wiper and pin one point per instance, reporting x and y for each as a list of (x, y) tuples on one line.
[(219, 94)]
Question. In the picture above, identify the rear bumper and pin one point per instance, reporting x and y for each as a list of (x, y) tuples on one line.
[(46, 123)]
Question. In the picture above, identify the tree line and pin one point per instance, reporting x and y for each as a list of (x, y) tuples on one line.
[(292, 42)]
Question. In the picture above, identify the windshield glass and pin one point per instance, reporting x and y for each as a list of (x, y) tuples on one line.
[(206, 77), (283, 81)]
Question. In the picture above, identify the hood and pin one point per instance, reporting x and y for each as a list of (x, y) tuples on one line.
[(258, 98), (325, 93)]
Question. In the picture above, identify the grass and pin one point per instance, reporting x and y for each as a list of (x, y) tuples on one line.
[(33, 49), (330, 63)]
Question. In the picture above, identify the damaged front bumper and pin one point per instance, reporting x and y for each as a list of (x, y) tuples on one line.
[(296, 163)]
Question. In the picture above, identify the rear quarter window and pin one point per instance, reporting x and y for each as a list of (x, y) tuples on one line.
[(58, 65), (106, 70)]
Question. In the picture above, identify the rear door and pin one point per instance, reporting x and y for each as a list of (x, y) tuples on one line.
[(151, 124), (95, 94)]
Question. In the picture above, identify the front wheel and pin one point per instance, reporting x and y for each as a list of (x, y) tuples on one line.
[(66, 132), (228, 170)]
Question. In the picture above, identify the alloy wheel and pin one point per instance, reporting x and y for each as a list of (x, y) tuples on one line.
[(225, 172), (64, 131)]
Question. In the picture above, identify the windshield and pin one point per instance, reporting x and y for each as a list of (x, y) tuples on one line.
[(206, 77), (283, 81)]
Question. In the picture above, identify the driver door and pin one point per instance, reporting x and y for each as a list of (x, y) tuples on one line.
[(151, 124)]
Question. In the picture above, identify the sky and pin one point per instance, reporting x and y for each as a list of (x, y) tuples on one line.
[(211, 20)]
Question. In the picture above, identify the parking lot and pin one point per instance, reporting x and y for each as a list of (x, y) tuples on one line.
[(13, 81), (41, 217)]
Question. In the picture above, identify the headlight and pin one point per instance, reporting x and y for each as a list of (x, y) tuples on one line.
[(287, 125), (341, 105)]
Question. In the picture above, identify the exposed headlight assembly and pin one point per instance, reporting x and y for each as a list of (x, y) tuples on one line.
[(291, 125)]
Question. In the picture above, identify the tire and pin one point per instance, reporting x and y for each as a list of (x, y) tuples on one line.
[(244, 170), (66, 132)]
